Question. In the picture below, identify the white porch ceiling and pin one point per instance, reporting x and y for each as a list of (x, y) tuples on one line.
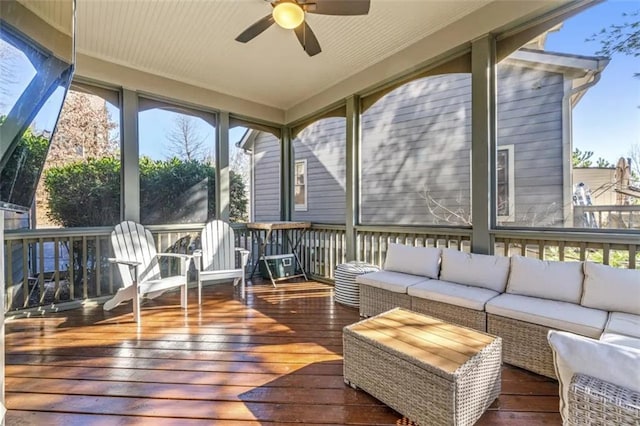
[(192, 41)]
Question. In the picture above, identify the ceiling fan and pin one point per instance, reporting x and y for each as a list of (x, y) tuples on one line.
[(290, 14)]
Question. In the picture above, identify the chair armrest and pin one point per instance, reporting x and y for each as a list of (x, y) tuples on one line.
[(179, 255), (129, 263)]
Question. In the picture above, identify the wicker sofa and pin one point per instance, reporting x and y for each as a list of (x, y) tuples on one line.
[(599, 381), (519, 299)]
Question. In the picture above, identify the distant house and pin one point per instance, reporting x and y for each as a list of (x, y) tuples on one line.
[(416, 150)]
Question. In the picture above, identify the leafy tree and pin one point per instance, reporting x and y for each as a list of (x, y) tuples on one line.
[(620, 38), (602, 163), (581, 159), (84, 193), (239, 201), (23, 168), (87, 193)]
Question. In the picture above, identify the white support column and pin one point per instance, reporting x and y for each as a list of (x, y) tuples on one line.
[(352, 191), (130, 175), (483, 143), (223, 183), (287, 167)]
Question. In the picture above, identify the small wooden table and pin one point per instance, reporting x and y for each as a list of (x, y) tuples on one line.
[(268, 228), (432, 372)]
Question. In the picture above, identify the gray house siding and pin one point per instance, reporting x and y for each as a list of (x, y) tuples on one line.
[(415, 156), (266, 178), (530, 118), (323, 146), (416, 144)]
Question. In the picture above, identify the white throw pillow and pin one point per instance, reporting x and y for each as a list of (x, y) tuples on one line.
[(478, 270), (573, 354), (423, 261), (611, 289), (546, 279)]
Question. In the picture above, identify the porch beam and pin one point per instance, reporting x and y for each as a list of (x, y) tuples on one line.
[(223, 185), (287, 166), (130, 175), (352, 190), (483, 143)]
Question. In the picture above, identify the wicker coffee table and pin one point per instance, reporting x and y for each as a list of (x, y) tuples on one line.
[(430, 371)]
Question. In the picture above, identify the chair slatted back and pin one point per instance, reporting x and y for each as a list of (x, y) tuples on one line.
[(218, 246), (131, 241)]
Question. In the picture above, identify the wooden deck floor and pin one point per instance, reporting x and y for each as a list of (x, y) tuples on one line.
[(276, 359)]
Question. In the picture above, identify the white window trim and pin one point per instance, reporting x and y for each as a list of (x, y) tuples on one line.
[(511, 183), (302, 207)]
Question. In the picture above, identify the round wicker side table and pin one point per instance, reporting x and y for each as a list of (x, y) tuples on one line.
[(347, 291)]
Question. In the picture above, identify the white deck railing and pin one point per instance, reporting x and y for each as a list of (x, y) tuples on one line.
[(71, 264)]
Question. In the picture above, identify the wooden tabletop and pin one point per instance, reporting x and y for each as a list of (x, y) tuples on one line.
[(267, 226), (430, 340)]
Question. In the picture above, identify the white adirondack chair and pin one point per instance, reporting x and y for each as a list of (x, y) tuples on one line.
[(219, 256), (137, 260)]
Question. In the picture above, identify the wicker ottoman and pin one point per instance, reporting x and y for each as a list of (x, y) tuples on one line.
[(430, 371), (347, 291)]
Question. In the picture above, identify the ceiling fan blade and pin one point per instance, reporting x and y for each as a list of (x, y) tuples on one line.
[(338, 7), (307, 39), (256, 29)]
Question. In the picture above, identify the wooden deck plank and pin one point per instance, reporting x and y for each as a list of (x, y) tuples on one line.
[(275, 360)]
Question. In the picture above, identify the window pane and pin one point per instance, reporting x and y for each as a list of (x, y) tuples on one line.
[(177, 164), (569, 107), (299, 195), (503, 184), (80, 185), (415, 156)]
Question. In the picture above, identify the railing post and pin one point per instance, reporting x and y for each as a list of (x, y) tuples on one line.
[(483, 143), (352, 191), (287, 166)]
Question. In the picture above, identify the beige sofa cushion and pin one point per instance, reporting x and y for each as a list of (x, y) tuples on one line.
[(560, 281), (549, 313), (611, 289), (423, 261), (620, 339), (576, 354), (452, 293), (391, 281), (477, 270), (623, 323)]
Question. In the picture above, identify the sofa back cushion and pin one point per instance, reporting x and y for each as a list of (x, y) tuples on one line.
[(611, 289), (478, 270), (546, 279), (423, 261)]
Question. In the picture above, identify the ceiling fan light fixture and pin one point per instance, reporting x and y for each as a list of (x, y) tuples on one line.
[(288, 15)]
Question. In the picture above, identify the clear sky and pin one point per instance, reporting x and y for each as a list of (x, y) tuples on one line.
[(607, 119)]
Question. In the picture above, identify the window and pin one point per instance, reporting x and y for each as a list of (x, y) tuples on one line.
[(505, 184), (177, 163), (301, 186)]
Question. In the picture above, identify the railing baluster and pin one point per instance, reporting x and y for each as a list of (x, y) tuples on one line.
[(85, 281), (71, 271), (98, 266), (25, 273), (41, 270)]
